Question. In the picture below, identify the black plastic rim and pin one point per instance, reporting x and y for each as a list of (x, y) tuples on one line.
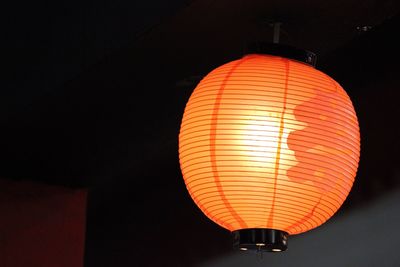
[(281, 50), (260, 239)]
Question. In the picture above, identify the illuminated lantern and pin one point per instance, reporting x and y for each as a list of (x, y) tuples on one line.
[(268, 147)]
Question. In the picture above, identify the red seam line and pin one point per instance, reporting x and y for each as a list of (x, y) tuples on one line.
[(278, 150), (213, 131)]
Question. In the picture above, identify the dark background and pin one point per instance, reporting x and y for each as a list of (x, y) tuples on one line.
[(93, 94)]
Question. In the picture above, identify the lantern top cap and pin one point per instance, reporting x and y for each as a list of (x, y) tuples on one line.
[(286, 51)]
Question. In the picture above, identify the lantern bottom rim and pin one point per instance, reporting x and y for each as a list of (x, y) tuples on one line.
[(260, 239)]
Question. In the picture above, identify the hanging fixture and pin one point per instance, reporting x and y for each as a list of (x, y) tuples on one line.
[(269, 146)]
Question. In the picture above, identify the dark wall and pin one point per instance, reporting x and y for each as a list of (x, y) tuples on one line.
[(41, 226)]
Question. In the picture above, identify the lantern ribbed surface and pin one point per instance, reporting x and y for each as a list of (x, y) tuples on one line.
[(268, 142)]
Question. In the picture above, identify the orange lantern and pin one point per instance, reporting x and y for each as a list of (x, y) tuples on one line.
[(268, 147)]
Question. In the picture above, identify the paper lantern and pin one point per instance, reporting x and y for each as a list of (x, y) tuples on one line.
[(268, 147)]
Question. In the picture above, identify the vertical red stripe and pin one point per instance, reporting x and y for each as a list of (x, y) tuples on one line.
[(278, 150), (213, 132)]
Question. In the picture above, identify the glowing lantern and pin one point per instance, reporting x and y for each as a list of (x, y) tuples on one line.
[(268, 147)]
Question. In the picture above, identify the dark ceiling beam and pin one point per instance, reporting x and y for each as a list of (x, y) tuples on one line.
[(373, 55)]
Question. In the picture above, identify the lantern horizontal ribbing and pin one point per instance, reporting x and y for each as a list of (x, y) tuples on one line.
[(269, 143)]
